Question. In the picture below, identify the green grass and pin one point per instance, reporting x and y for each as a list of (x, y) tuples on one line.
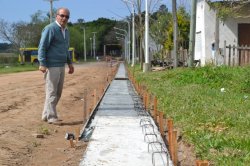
[(217, 123), (44, 130), (9, 64), (16, 67)]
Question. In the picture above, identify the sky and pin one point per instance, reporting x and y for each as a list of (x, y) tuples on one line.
[(21, 10)]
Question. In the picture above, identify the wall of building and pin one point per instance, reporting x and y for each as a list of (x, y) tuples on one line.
[(205, 33), (205, 30), (199, 51), (229, 30)]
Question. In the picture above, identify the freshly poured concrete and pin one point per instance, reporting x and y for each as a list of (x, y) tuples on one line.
[(118, 139)]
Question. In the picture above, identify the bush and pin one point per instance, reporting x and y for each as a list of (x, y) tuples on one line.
[(8, 58)]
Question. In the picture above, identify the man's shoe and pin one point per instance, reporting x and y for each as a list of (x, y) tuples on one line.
[(44, 119), (54, 121)]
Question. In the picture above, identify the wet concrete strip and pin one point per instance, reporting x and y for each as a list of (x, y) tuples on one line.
[(117, 138)]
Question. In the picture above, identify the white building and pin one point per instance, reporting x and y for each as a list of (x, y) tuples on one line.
[(235, 31)]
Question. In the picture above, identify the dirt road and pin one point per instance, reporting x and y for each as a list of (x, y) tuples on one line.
[(21, 104)]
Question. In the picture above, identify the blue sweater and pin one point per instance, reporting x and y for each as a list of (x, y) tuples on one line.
[(53, 48)]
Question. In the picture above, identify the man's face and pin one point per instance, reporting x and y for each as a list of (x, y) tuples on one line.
[(62, 17)]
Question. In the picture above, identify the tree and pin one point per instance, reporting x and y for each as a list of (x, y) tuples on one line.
[(5, 47), (27, 34), (184, 26), (158, 23), (76, 40), (183, 32), (7, 31), (102, 27), (163, 9), (39, 18), (139, 20), (22, 34)]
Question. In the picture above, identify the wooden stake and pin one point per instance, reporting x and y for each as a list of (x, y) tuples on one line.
[(170, 136), (77, 134), (158, 117), (103, 88), (89, 112), (201, 163), (155, 108), (95, 98), (175, 154), (139, 88), (145, 100), (161, 123), (71, 141), (150, 105)]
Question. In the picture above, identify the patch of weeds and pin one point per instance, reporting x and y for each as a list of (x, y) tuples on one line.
[(44, 130)]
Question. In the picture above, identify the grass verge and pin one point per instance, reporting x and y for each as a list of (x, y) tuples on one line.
[(16, 67), (211, 107)]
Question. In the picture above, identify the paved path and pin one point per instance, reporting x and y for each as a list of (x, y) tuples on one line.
[(118, 138)]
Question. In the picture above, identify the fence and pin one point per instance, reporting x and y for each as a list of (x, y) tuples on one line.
[(236, 55), (182, 55)]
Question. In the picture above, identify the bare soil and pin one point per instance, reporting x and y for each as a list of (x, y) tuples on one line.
[(21, 103)]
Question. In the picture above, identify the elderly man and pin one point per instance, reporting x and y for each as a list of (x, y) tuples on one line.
[(52, 55)]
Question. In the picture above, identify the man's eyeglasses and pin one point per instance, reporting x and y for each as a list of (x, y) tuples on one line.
[(62, 15)]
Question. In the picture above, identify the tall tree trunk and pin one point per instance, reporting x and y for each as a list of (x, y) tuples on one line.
[(175, 28), (141, 53), (140, 33), (192, 34)]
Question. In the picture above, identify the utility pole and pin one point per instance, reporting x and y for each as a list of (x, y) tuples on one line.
[(133, 30), (192, 34), (133, 36), (91, 47), (82, 22), (146, 65), (129, 41), (51, 9), (104, 51), (84, 45), (123, 37), (94, 45), (126, 40)]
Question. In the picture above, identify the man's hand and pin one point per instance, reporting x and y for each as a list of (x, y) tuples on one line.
[(71, 69), (43, 69)]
